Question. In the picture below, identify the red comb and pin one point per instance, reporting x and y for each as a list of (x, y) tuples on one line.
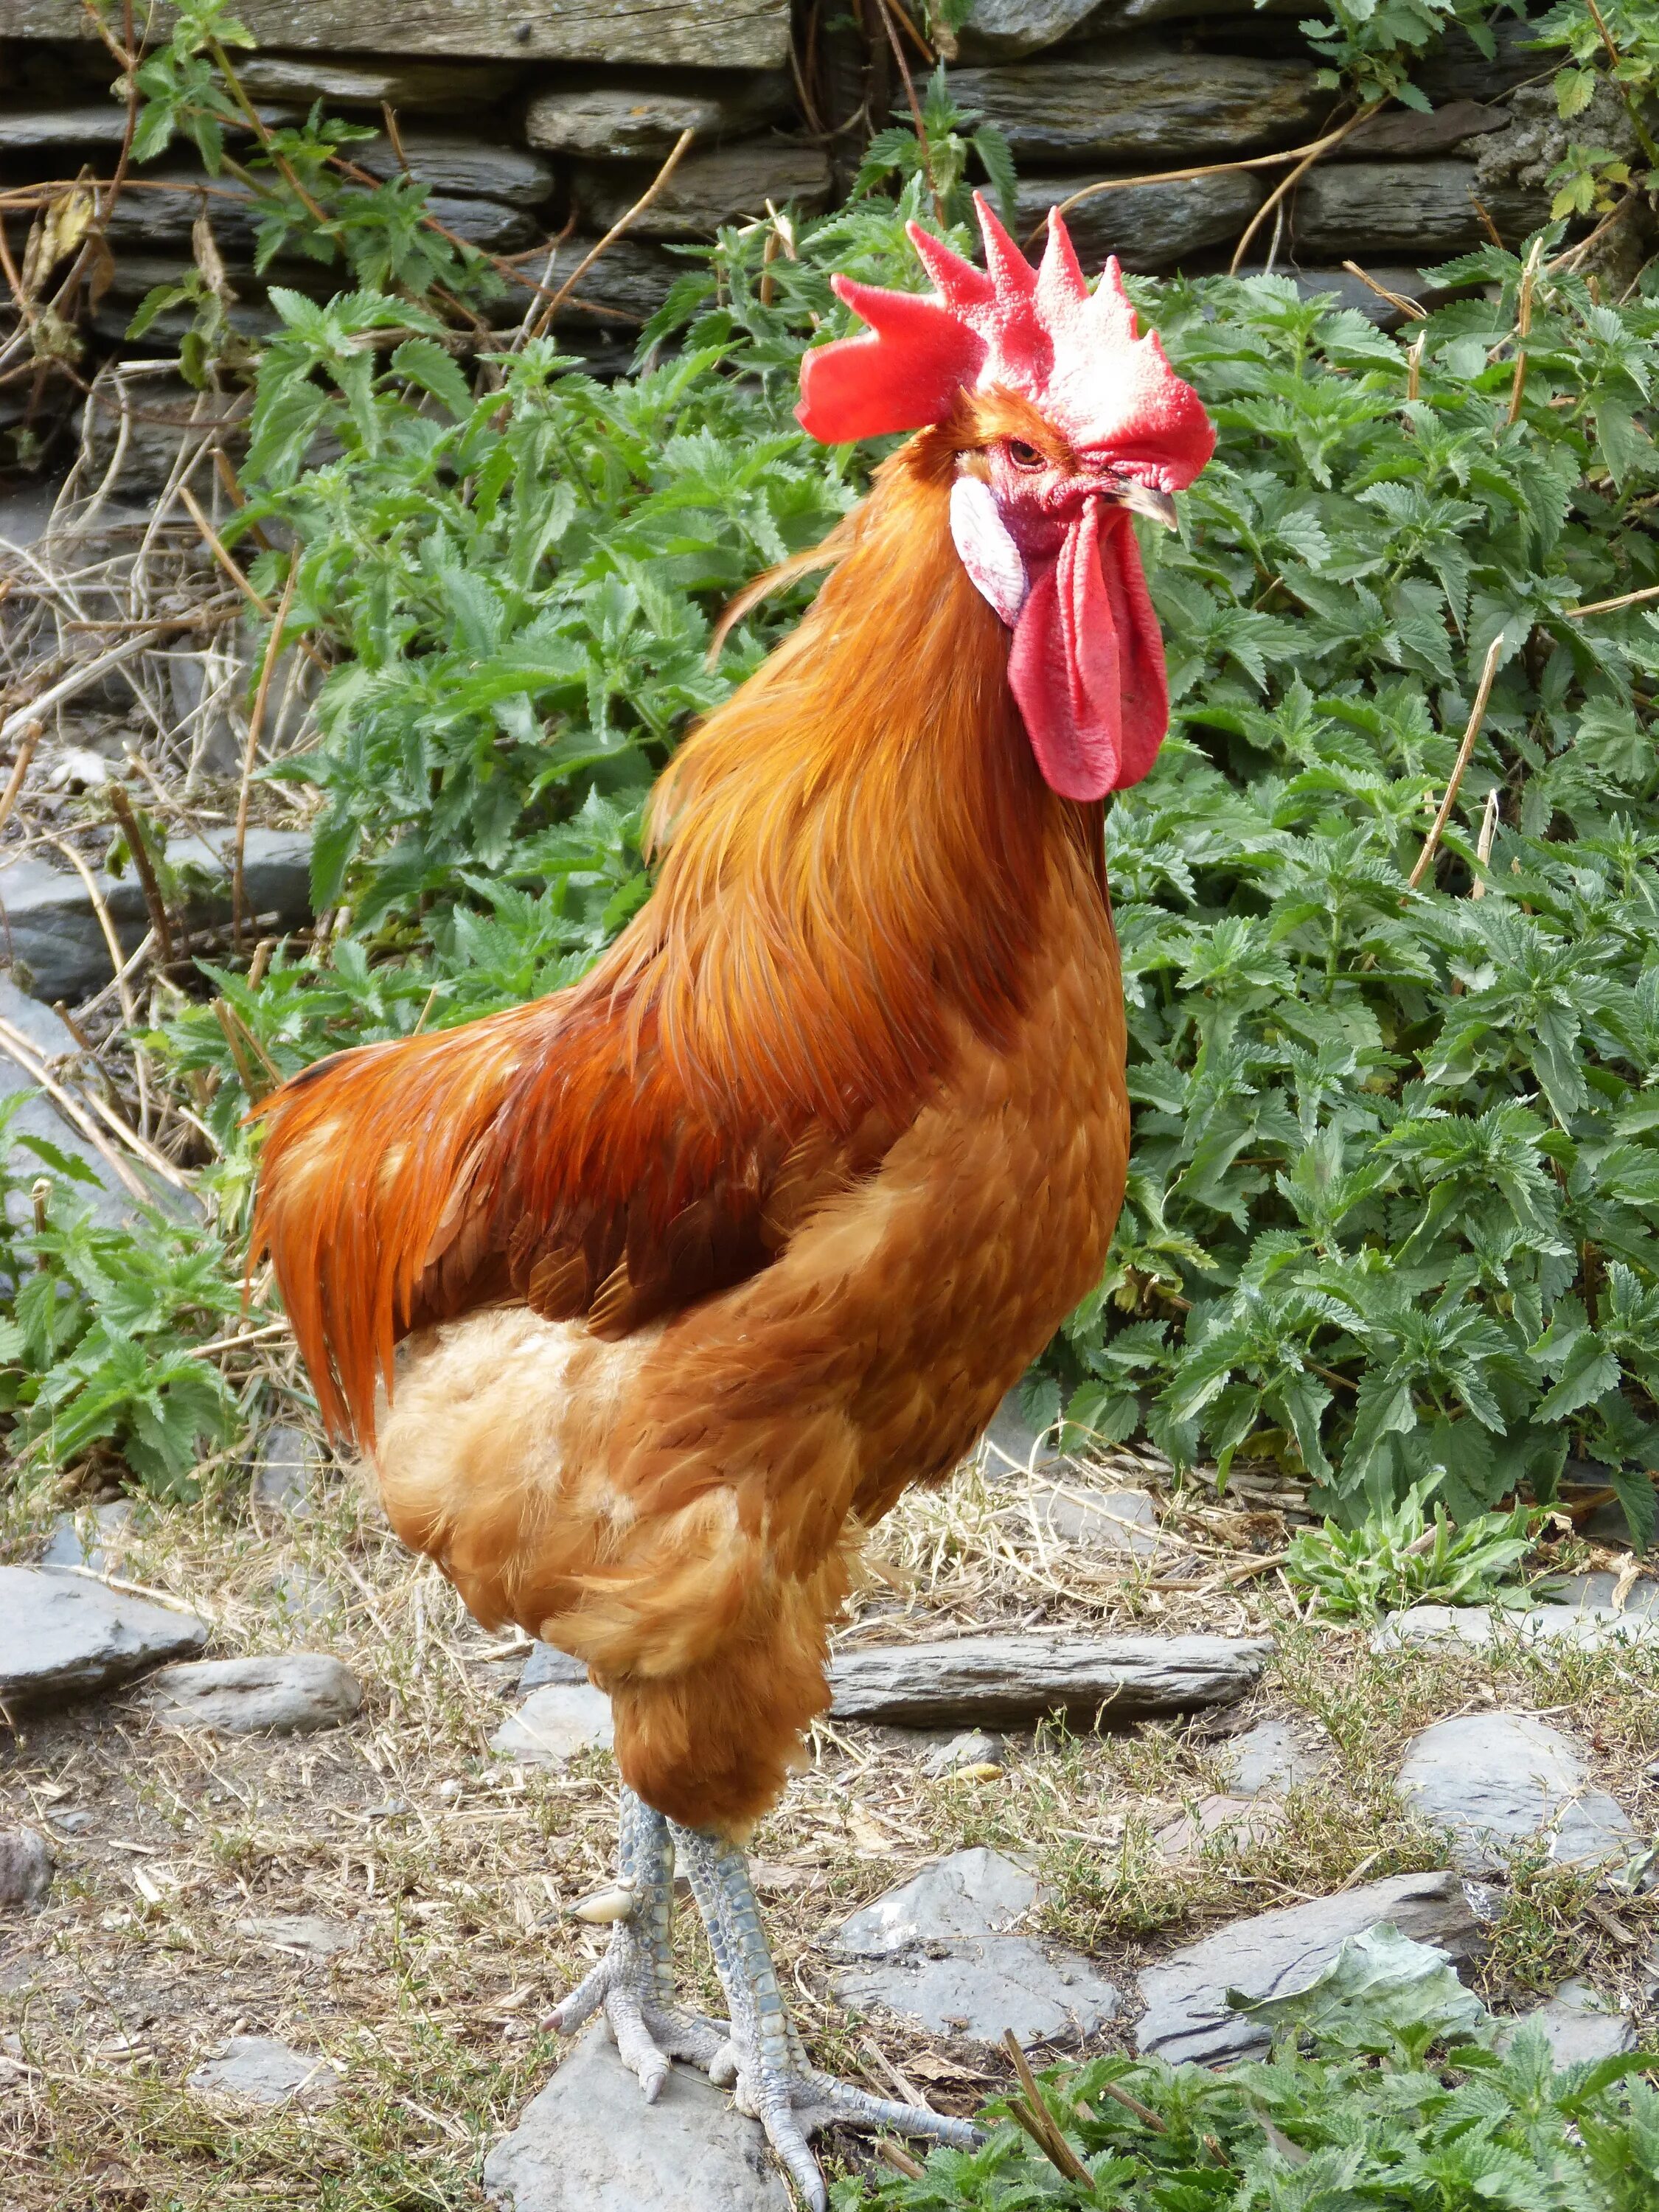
[(1039, 331)]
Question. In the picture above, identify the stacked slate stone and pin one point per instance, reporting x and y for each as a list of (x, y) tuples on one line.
[(537, 128), (1136, 87)]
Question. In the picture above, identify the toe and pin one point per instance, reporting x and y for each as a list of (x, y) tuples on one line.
[(634, 2046), (795, 2153), (842, 2102), (583, 2002)]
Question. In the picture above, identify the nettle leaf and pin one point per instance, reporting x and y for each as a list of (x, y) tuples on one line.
[(1640, 1501), (426, 363)]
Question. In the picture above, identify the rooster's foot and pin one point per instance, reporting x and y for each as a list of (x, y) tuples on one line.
[(633, 1983), (765, 2059)]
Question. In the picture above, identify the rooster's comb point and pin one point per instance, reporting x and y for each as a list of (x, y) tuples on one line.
[(1074, 353)]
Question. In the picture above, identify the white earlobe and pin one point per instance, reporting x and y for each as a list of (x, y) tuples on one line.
[(987, 551)]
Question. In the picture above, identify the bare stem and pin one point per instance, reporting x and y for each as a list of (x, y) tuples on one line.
[(1477, 716)]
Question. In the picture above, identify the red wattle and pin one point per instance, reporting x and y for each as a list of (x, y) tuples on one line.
[(1086, 665)]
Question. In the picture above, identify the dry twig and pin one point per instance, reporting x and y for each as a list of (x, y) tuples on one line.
[(1477, 716), (682, 146), (1031, 2112), (1288, 185), (145, 869), (20, 768), (1313, 149)]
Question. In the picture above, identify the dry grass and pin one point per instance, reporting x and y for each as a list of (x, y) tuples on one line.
[(451, 1870)]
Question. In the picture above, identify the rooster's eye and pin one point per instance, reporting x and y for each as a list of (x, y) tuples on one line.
[(1024, 456)]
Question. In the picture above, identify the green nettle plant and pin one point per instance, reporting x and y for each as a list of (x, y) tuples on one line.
[(1395, 1158), (1391, 1209), (1383, 2091), (100, 1327), (1370, 46), (1616, 42)]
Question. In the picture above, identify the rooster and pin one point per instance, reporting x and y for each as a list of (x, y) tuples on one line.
[(647, 1300)]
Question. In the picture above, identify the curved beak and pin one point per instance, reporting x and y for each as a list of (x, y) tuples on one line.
[(1141, 499)]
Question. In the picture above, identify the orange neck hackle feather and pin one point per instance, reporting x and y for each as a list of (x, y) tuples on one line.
[(852, 855)]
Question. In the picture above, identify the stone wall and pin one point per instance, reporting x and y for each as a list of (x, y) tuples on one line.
[(533, 121)]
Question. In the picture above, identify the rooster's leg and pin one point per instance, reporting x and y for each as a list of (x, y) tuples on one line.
[(633, 1983), (776, 2084)]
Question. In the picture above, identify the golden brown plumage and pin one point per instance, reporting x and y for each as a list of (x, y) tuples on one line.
[(831, 1140), (695, 1264)]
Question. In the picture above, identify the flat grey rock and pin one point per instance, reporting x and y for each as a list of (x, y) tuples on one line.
[(547, 1663), (44, 129), (555, 1723), (1403, 133), (975, 1893), (639, 119), (258, 2070), (1496, 1779), (979, 1989), (1124, 1521), (471, 167), (1277, 1953), (945, 1950), (1459, 71), (1593, 1594), (53, 938), (1004, 30), (729, 185), (1590, 1628), (27, 510), (1578, 2025), (62, 1635), (1272, 1758), (369, 81), (78, 1539), (288, 1694), (703, 33), (589, 2142), (303, 1935), (1235, 1825), (27, 1863), (629, 281), (972, 1747), (999, 1681), (1154, 226), (149, 414), (1423, 209), (1141, 103), (287, 1474)]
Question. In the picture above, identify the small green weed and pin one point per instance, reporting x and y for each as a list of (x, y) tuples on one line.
[(1391, 1559), (101, 1328)]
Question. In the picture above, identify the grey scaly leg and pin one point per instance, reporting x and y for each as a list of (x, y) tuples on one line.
[(633, 1983), (776, 2084)]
